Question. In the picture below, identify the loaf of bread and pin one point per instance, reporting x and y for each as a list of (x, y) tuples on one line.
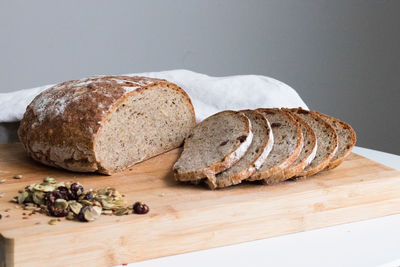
[(106, 124)]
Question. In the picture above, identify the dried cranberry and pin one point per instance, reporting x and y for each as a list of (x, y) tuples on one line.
[(51, 197), (276, 124), (242, 138), (223, 143), (88, 196), (76, 190), (64, 190), (57, 212), (140, 208)]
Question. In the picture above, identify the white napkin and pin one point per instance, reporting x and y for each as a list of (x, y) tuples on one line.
[(208, 94)]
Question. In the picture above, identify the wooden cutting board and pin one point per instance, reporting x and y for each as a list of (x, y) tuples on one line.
[(182, 217)]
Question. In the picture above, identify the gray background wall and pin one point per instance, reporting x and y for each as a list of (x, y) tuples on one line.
[(341, 56)]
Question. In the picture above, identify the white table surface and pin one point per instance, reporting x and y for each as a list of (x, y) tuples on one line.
[(374, 242)]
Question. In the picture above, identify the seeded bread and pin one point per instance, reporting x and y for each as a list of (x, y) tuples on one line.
[(214, 145), (106, 123), (327, 141), (307, 154), (256, 154), (288, 141), (346, 139)]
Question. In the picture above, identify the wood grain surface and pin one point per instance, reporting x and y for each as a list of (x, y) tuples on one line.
[(183, 217)]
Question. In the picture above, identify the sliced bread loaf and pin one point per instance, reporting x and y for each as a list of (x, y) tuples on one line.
[(307, 154), (346, 139), (256, 154), (327, 142), (105, 123), (214, 145), (288, 141)]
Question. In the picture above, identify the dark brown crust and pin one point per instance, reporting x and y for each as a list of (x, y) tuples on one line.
[(293, 170), (334, 163), (73, 129), (268, 176), (216, 167), (303, 174)]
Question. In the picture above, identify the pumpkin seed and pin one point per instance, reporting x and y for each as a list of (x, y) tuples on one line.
[(30, 208), (44, 187), (61, 204), (53, 221), (37, 197), (70, 200), (70, 216), (75, 207), (85, 202), (50, 180), (122, 211), (22, 197)]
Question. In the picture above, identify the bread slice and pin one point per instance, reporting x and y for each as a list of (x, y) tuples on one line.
[(288, 141), (307, 154), (106, 123), (327, 142), (256, 154), (214, 145), (346, 139)]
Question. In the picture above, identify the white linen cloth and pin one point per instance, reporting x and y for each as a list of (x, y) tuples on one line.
[(208, 94)]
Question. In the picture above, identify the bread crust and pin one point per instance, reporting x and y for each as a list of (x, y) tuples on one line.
[(225, 163), (293, 170), (334, 163), (238, 177), (60, 125), (268, 176)]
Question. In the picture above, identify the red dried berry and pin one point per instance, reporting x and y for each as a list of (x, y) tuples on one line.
[(140, 208)]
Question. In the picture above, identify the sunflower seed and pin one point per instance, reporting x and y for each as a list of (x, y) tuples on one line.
[(89, 213)]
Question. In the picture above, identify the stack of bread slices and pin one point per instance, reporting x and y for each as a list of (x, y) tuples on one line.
[(268, 144)]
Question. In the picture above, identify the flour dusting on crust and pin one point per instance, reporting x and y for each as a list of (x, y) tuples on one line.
[(53, 101)]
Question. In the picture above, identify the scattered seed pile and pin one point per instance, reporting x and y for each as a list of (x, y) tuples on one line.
[(72, 201)]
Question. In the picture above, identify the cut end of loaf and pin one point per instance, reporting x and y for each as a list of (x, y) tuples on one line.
[(145, 124)]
